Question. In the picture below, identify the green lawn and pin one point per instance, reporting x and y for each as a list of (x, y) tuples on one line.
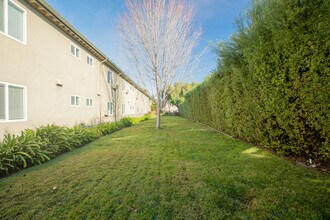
[(184, 171)]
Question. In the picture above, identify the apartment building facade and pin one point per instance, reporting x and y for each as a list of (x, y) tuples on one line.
[(50, 73)]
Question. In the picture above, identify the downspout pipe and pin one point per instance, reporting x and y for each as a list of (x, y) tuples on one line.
[(100, 99)]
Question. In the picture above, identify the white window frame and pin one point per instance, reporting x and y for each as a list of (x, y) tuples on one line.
[(110, 103), (89, 59), (75, 51), (89, 101), (123, 109), (7, 102), (75, 96), (111, 80), (5, 21)]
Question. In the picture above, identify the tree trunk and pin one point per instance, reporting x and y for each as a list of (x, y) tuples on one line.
[(158, 119)]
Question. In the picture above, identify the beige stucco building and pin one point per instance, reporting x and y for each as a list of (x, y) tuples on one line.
[(50, 73)]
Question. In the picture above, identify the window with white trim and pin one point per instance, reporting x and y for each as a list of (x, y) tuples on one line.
[(110, 79), (12, 102), (2, 16), (89, 102), (75, 100), (123, 109), (110, 108), (75, 51), (90, 61), (13, 20)]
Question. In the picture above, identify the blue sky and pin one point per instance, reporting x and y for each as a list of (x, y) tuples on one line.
[(96, 20)]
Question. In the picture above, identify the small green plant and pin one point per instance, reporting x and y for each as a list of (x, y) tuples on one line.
[(128, 121), (57, 139), (17, 152)]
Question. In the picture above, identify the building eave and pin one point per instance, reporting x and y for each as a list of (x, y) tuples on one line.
[(45, 9)]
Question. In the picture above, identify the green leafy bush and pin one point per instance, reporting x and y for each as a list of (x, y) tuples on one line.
[(145, 117), (37, 146), (56, 139), (108, 128), (271, 86), (128, 121), (18, 152)]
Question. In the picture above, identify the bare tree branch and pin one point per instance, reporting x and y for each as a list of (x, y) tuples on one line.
[(159, 37)]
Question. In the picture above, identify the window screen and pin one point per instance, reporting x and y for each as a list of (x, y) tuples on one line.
[(72, 50), (2, 14), (16, 103), (2, 102), (73, 100), (110, 108), (77, 100), (110, 77), (77, 52), (15, 22)]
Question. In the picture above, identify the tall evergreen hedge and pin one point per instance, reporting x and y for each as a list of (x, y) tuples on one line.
[(271, 86)]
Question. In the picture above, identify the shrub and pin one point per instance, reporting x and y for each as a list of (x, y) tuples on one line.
[(17, 152), (37, 146), (56, 139), (272, 82), (108, 128), (127, 122)]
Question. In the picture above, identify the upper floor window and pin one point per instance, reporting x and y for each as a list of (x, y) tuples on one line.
[(75, 51), (123, 85), (12, 102), (13, 20), (90, 61), (75, 100), (110, 81)]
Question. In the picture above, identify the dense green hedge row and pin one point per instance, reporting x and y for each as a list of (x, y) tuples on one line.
[(37, 146), (271, 86)]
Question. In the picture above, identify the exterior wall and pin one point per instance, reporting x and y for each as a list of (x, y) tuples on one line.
[(136, 103), (170, 108), (45, 61)]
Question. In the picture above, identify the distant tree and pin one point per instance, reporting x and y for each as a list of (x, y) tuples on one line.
[(153, 106), (159, 37), (179, 92)]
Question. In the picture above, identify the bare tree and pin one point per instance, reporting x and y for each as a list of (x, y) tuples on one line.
[(159, 37)]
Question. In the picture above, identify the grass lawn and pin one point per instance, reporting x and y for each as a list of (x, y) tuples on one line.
[(183, 171)]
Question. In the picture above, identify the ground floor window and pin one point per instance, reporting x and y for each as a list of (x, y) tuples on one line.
[(89, 102), (110, 108), (123, 109), (75, 100), (13, 105)]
